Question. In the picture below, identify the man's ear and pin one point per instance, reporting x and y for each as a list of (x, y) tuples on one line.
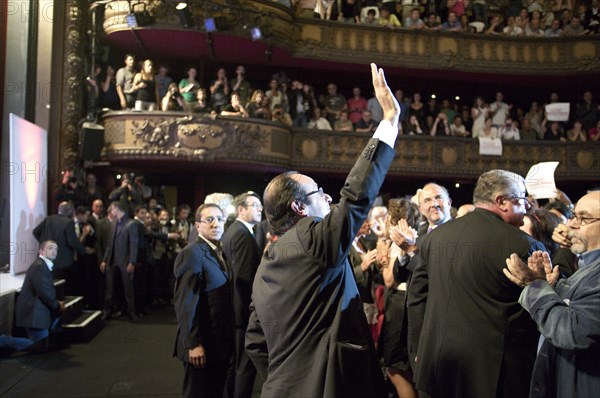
[(500, 201), (299, 208)]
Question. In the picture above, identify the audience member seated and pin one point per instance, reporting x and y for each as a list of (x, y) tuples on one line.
[(256, 108), (413, 127), (440, 125), (317, 121), (414, 22), (457, 128), (496, 27), (554, 30), (280, 116), (202, 105), (433, 22), (234, 108), (488, 130), (577, 133), (452, 24), (510, 130), (371, 17), (343, 123), (594, 132), (388, 20), (366, 124), (188, 87), (172, 101), (512, 29), (554, 133), (527, 132), (574, 28), (533, 29)]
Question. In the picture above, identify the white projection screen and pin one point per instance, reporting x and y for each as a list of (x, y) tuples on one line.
[(28, 171)]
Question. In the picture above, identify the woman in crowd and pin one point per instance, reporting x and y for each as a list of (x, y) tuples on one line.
[(172, 101), (417, 108), (577, 133), (202, 105), (343, 123), (487, 130), (188, 87), (479, 113), (402, 215), (255, 106), (145, 87), (219, 91)]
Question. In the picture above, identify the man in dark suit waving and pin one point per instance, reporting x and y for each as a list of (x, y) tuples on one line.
[(243, 256), (37, 308), (308, 331), (204, 308)]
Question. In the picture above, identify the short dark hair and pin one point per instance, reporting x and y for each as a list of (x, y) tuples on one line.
[(203, 206), (240, 200), (81, 210), (137, 208), (560, 207), (279, 195), (46, 243), (119, 206)]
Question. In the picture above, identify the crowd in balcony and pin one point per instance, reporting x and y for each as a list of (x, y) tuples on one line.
[(298, 104), (532, 18)]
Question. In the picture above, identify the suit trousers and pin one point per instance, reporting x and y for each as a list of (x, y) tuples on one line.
[(245, 372), (112, 275), (208, 382)]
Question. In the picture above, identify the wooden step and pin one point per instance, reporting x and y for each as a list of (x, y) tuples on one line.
[(83, 328)]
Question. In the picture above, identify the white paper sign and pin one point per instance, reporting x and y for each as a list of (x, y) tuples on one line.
[(558, 112), (540, 180), (490, 146)]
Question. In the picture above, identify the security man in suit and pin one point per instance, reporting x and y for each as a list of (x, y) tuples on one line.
[(243, 256), (37, 308), (204, 308), (120, 258), (60, 228), (308, 330)]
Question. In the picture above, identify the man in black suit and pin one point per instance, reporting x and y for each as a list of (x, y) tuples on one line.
[(204, 308), (475, 339), (307, 330), (120, 258), (37, 308), (243, 256), (60, 228)]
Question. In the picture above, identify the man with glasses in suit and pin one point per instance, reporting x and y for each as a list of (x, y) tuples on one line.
[(204, 309)]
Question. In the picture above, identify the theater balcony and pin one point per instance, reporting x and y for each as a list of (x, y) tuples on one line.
[(175, 142)]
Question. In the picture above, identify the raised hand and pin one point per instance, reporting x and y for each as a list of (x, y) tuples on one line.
[(387, 100)]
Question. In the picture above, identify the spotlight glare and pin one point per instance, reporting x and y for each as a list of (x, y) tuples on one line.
[(433, 96), (457, 185)]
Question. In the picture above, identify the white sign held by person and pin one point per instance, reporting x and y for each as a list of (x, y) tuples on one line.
[(490, 146), (558, 112), (540, 180)]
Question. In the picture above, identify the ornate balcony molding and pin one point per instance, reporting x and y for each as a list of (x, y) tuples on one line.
[(341, 42), (173, 137)]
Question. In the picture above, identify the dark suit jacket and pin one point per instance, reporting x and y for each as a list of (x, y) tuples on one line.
[(243, 256), (203, 304), (37, 301), (103, 237), (60, 229), (308, 317), (123, 246), (476, 340)]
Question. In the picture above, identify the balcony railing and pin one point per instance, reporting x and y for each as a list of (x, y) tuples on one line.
[(169, 138), (341, 42)]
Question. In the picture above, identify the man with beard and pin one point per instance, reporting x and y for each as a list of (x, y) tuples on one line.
[(567, 315), (470, 335)]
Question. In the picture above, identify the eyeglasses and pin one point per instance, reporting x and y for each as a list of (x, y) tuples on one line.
[(211, 219), (319, 191), (584, 220), (437, 198), (256, 206), (521, 200)]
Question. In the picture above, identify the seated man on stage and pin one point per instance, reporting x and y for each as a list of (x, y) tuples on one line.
[(37, 308)]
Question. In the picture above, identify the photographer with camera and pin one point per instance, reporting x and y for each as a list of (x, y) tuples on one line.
[(127, 194), (172, 101), (69, 189), (280, 116)]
